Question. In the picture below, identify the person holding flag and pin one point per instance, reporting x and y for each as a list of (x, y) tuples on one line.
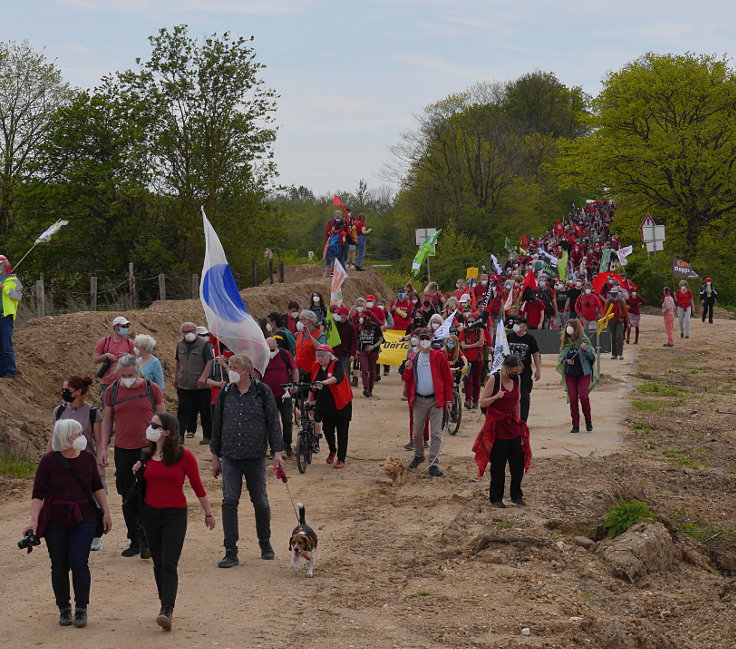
[(471, 342), (577, 367), (345, 346), (12, 293)]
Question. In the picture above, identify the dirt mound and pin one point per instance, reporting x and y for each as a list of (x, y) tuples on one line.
[(50, 348)]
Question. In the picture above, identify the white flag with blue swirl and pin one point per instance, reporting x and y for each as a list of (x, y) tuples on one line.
[(227, 316)]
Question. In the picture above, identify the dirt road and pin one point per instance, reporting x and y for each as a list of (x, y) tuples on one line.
[(392, 571)]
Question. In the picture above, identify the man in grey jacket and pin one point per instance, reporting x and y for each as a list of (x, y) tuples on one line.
[(245, 423)]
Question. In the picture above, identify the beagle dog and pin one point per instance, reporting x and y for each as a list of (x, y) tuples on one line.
[(303, 543)]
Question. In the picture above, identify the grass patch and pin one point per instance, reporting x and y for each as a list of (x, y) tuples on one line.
[(648, 406), (660, 389), (16, 468), (680, 459), (704, 531), (624, 515), (641, 425)]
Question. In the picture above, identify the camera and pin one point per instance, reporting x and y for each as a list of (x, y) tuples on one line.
[(29, 541)]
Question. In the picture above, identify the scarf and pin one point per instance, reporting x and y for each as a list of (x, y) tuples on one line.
[(483, 444), (595, 374)]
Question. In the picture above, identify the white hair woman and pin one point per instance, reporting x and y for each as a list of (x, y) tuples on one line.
[(148, 365), (62, 511)]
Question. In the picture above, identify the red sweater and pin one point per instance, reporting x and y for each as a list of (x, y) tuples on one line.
[(165, 484)]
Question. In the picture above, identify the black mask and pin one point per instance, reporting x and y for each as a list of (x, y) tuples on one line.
[(67, 396)]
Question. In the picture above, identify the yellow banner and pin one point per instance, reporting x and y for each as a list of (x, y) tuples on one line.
[(393, 351), (471, 273)]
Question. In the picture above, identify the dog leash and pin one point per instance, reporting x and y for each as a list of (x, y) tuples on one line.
[(281, 475)]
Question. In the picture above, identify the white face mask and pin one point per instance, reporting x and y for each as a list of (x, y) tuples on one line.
[(315, 299), (361, 320), (516, 328), (683, 288), (483, 282), (300, 326), (269, 327), (634, 293), (273, 353), (129, 381), (370, 304), (294, 314), (587, 291), (136, 351), (414, 341), (337, 318), (708, 283), (233, 376), (80, 443), (425, 344), (578, 285), (153, 434), (570, 330), (434, 325), (359, 309), (190, 337)]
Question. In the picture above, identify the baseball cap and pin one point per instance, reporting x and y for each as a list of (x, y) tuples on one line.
[(708, 279), (5, 259), (325, 348), (370, 298), (342, 310), (120, 320)]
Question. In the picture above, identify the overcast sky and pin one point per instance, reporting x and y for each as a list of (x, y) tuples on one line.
[(352, 74)]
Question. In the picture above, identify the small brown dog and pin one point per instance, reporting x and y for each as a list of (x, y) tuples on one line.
[(395, 469), (303, 544)]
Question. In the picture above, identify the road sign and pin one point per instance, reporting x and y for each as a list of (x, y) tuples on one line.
[(648, 220), (655, 246), (422, 234), (652, 233)]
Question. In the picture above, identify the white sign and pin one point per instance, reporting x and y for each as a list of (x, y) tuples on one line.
[(652, 233), (655, 246), (422, 234)]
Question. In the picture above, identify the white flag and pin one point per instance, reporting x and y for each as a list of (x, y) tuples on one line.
[(227, 316), (497, 266), (551, 259), (338, 277), (500, 348), (51, 231), (623, 253), (443, 331)]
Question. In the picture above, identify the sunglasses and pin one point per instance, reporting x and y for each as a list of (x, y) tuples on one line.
[(155, 426)]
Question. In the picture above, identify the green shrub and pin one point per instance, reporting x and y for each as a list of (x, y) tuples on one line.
[(624, 515), (16, 468)]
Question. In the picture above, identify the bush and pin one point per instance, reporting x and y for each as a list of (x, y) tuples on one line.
[(624, 515)]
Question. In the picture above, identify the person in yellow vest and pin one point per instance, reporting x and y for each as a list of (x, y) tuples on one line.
[(12, 292)]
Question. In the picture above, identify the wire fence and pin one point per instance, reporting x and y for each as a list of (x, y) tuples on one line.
[(46, 296)]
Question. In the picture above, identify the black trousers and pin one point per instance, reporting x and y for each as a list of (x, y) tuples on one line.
[(68, 547), (329, 425), (193, 403), (165, 530), (525, 389), (286, 410), (506, 451), (125, 458), (708, 308)]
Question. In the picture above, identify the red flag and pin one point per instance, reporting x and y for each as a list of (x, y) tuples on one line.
[(337, 202), (524, 243), (529, 281), (579, 230), (558, 227)]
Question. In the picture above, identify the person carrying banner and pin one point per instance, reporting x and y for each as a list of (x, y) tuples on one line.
[(12, 293), (524, 345), (576, 365), (685, 308), (708, 297)]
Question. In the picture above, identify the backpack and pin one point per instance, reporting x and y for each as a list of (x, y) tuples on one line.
[(334, 246), (114, 393), (261, 390), (92, 414)]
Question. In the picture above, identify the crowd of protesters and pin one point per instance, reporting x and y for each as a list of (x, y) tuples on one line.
[(560, 280)]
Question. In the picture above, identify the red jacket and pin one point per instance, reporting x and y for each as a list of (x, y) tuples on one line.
[(441, 379)]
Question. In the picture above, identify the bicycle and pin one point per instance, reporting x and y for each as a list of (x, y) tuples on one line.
[(307, 441), (454, 416)]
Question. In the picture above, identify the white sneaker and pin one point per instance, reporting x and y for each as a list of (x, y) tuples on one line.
[(96, 544)]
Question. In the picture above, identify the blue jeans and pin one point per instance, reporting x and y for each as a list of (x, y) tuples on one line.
[(68, 548), (361, 250), (7, 353), (254, 472)]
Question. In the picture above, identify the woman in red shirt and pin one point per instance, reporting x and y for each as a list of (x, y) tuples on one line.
[(685, 308), (164, 513), (634, 302)]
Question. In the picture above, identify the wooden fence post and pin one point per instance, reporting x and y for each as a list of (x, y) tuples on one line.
[(161, 286), (131, 287), (195, 287), (93, 294), (254, 269), (281, 272), (40, 298), (270, 270)]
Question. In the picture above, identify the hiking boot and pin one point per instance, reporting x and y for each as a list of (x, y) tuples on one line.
[(409, 446), (145, 552), (164, 617), (498, 504), (229, 560), (589, 426), (435, 471), (80, 618), (468, 405), (575, 429), (416, 462), (378, 378), (519, 502), (65, 617), (267, 552), (366, 393), (131, 551), (354, 382), (475, 406)]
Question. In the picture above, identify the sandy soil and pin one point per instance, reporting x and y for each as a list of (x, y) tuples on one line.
[(402, 567)]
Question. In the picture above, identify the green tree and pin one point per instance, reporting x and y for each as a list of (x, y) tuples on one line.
[(31, 90), (663, 140)]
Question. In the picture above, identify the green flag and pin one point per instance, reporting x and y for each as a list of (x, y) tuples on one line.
[(562, 266), (331, 332), (425, 250), (509, 246), (605, 261)]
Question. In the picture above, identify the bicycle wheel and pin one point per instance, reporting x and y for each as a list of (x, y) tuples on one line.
[(456, 414), (302, 452)]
